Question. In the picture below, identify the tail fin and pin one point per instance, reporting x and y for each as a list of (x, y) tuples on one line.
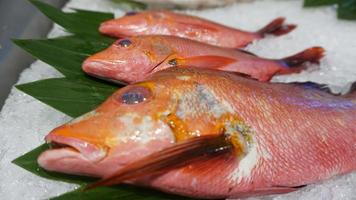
[(276, 27), (295, 62)]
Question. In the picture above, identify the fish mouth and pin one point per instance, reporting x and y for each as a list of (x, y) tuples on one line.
[(116, 82), (107, 27), (99, 69), (72, 156)]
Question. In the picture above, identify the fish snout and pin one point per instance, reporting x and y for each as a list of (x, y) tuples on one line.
[(90, 151), (94, 67), (114, 28), (72, 156), (105, 70), (107, 27)]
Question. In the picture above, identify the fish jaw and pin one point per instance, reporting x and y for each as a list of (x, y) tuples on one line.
[(105, 70), (74, 157)]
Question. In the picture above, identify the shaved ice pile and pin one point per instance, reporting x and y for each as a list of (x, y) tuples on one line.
[(24, 121)]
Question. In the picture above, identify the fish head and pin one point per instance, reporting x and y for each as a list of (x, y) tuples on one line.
[(126, 126), (128, 60), (132, 23), (134, 122)]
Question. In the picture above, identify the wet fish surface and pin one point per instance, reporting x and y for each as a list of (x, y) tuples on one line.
[(163, 22), (135, 58), (210, 134)]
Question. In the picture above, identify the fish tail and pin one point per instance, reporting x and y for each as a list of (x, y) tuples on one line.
[(276, 27), (296, 62)]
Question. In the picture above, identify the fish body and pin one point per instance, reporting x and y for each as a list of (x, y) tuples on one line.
[(186, 26), (283, 136), (133, 59)]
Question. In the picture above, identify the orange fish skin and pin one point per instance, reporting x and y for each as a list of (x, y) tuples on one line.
[(186, 26), (133, 59), (294, 135)]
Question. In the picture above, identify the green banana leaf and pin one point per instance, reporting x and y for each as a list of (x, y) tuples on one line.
[(73, 96), (346, 9)]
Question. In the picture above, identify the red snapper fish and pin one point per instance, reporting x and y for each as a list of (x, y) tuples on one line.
[(186, 26), (210, 134), (133, 59)]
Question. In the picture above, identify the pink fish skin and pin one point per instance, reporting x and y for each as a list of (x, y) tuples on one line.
[(284, 136), (135, 58), (186, 26)]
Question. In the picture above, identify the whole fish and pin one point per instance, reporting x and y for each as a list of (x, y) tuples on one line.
[(210, 134), (133, 59), (186, 26)]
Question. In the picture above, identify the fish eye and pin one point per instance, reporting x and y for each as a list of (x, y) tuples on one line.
[(130, 13), (135, 95), (125, 43)]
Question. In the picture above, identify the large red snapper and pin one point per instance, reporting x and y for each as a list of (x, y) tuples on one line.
[(166, 133), (133, 59), (186, 26)]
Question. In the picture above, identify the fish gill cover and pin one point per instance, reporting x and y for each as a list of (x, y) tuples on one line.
[(77, 93)]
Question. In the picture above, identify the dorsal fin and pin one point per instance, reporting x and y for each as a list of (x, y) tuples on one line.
[(315, 86), (172, 157), (352, 91), (246, 52)]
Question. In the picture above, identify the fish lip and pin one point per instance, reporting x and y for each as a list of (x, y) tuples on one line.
[(88, 151), (117, 82), (92, 64), (88, 69), (108, 28), (67, 160), (105, 27), (70, 156)]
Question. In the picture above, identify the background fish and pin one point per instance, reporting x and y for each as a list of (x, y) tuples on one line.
[(190, 4), (133, 59), (186, 26), (210, 134)]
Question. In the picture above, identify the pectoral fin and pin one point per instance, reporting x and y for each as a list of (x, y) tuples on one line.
[(167, 159)]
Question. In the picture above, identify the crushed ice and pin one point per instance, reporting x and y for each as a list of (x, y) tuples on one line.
[(24, 120)]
